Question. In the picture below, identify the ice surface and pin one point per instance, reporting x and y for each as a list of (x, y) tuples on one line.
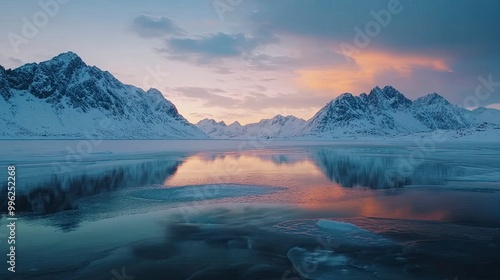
[(204, 192), (338, 233), (319, 264), (335, 226)]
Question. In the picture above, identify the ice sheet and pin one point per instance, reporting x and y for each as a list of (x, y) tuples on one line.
[(338, 233), (203, 192)]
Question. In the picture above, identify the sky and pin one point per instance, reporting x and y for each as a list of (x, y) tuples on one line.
[(245, 60)]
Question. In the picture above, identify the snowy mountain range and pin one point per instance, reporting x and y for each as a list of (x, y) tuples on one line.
[(381, 113), (277, 127), (66, 98)]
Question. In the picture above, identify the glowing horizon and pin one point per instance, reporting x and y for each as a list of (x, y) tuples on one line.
[(258, 59)]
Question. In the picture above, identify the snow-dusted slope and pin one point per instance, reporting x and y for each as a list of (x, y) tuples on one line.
[(382, 113), (486, 115), (387, 112), (435, 112), (66, 98), (277, 127)]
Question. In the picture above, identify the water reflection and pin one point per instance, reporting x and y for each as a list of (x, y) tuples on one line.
[(380, 171), (263, 236), (61, 191), (316, 176)]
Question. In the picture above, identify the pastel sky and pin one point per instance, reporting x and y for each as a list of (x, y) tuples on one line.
[(247, 60)]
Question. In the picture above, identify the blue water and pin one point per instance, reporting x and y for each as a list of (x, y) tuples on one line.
[(253, 210)]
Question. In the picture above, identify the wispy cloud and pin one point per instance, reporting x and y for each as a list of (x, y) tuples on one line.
[(494, 106), (155, 26), (210, 97), (210, 48)]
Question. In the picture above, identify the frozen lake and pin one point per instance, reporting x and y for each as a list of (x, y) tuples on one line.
[(254, 209)]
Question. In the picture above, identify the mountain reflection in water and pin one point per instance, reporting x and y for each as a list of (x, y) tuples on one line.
[(60, 191), (348, 168), (380, 171)]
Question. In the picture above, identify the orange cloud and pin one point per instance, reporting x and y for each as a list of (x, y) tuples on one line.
[(366, 68)]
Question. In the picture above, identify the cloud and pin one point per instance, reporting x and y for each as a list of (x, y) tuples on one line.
[(268, 62), (210, 97), (266, 80), (370, 68), (216, 45), (250, 101), (155, 26), (10, 61), (494, 106), (16, 61), (462, 26), (299, 100), (210, 48)]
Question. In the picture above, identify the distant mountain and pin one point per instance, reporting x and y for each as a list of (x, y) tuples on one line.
[(381, 113), (386, 112), (277, 127), (486, 115), (66, 98)]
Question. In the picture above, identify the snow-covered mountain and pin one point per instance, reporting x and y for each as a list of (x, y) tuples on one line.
[(486, 115), (66, 98), (386, 112), (381, 113), (277, 127)]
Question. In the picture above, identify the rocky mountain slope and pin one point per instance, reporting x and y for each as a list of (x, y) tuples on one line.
[(66, 98), (384, 112)]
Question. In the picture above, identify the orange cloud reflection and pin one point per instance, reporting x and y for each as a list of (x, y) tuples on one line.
[(307, 186), (244, 168)]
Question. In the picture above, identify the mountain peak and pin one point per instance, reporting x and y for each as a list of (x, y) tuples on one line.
[(282, 119), (207, 121), (388, 96), (63, 62), (343, 96), (71, 94), (67, 57), (387, 92), (390, 91), (377, 91), (389, 87), (154, 92), (280, 116), (432, 98)]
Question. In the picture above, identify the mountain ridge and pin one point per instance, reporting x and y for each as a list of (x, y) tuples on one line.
[(384, 112), (65, 98)]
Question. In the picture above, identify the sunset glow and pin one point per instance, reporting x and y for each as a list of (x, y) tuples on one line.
[(259, 58), (368, 68)]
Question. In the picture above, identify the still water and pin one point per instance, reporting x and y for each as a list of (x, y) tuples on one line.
[(273, 210)]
